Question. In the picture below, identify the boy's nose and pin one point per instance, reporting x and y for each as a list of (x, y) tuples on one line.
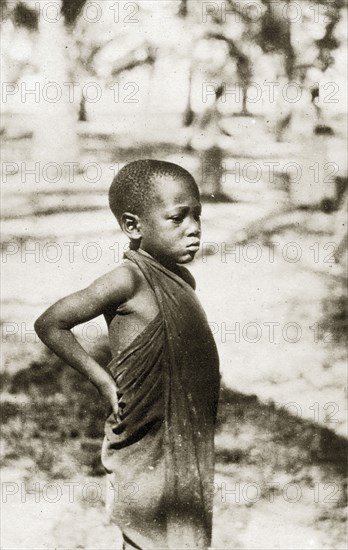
[(194, 229)]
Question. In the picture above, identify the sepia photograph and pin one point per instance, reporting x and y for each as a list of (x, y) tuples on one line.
[(174, 256)]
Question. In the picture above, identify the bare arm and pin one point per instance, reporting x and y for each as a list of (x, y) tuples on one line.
[(54, 325)]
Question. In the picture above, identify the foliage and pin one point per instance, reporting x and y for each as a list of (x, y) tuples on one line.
[(272, 32)]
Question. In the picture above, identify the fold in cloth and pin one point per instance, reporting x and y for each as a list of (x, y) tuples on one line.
[(159, 454)]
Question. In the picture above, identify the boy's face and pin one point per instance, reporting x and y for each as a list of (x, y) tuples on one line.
[(171, 228)]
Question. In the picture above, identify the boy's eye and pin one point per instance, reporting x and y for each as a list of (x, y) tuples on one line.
[(177, 219)]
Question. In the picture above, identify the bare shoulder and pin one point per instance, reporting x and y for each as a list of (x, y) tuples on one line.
[(187, 276), (121, 283)]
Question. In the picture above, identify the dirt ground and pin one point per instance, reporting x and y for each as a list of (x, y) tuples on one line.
[(280, 443)]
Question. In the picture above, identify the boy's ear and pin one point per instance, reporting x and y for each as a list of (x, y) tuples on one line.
[(130, 225)]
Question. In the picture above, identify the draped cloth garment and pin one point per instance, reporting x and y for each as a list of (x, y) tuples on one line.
[(159, 454)]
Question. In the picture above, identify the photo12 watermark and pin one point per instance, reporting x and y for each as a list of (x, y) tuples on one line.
[(121, 11), (253, 11), (70, 92), (270, 92), (71, 492)]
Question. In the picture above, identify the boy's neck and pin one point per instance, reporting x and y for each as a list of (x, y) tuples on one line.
[(168, 263)]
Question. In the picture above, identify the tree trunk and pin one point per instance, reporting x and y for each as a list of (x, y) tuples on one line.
[(55, 127)]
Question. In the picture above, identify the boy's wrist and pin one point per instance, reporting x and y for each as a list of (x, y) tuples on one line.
[(108, 392), (106, 384)]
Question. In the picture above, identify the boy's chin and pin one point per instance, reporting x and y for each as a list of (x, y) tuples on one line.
[(186, 258)]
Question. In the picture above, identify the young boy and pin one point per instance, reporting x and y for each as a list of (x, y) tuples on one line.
[(163, 387)]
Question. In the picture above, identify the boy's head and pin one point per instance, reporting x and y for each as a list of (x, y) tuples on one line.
[(157, 205)]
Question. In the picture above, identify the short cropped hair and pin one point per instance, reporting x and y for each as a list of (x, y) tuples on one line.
[(134, 187)]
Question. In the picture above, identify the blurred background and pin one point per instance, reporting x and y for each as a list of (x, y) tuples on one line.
[(250, 97)]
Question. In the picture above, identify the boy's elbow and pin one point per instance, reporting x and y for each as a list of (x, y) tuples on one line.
[(47, 325), (40, 326), (43, 325)]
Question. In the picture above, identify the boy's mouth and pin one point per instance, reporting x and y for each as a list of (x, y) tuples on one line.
[(193, 247)]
